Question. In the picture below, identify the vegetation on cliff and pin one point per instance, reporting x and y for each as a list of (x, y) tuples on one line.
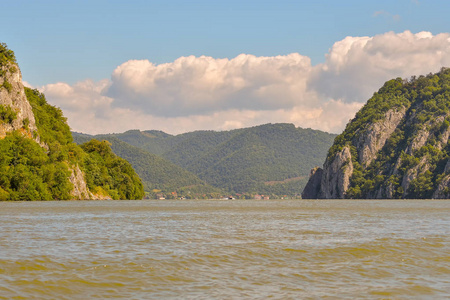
[(413, 160), (7, 114), (31, 172), (37, 164), (27, 172), (161, 178), (107, 172), (7, 56)]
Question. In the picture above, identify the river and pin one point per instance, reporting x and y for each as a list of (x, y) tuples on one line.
[(237, 249)]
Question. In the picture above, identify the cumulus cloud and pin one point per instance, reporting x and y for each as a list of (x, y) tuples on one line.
[(193, 93), (356, 67), (192, 85)]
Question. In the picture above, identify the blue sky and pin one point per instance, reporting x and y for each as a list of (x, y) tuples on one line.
[(73, 41)]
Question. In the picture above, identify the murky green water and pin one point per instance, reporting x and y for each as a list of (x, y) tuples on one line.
[(225, 249)]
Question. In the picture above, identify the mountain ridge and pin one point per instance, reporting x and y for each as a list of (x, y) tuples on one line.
[(271, 159), (160, 177)]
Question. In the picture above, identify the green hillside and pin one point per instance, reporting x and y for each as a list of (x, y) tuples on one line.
[(271, 159), (30, 172), (414, 160), (38, 159), (252, 158), (159, 176), (397, 146)]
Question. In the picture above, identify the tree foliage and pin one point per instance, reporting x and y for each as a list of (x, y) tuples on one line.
[(31, 172), (271, 159), (107, 172), (28, 173), (6, 55), (159, 176), (426, 100), (52, 125), (7, 114)]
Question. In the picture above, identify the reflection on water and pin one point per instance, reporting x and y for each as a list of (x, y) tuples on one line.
[(225, 249)]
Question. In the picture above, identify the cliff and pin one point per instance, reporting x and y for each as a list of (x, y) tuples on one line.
[(15, 110), (38, 159), (395, 147)]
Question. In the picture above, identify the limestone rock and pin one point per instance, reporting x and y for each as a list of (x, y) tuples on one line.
[(15, 98), (443, 189), (374, 138), (312, 188), (12, 94), (400, 153), (336, 175), (80, 190)]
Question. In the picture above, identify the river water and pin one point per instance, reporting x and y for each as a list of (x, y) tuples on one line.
[(239, 249)]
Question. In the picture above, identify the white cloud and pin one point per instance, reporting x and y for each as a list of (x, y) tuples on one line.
[(192, 85), (82, 97), (356, 67), (195, 93)]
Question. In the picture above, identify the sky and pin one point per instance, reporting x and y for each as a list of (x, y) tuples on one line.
[(181, 66)]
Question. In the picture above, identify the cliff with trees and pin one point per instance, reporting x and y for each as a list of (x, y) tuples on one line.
[(38, 159), (397, 146)]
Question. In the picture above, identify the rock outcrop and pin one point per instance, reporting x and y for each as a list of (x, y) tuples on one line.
[(12, 95), (336, 175), (374, 138), (443, 189), (397, 146), (312, 188), (38, 159), (80, 190)]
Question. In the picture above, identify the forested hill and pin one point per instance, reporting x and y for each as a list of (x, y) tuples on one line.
[(271, 159), (38, 159), (161, 178), (397, 146)]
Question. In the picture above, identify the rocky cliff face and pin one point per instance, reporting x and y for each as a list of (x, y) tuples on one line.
[(12, 95), (336, 175), (80, 190), (374, 138), (18, 116), (396, 146), (38, 159), (312, 188)]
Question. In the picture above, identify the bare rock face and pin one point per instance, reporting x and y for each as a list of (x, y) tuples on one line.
[(336, 175), (412, 174), (80, 190), (443, 190), (374, 138), (337, 172), (13, 95), (312, 188)]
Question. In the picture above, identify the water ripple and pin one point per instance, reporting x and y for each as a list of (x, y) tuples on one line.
[(225, 249)]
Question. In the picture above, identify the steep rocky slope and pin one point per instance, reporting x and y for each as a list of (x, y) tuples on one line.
[(38, 159), (15, 110), (395, 147)]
